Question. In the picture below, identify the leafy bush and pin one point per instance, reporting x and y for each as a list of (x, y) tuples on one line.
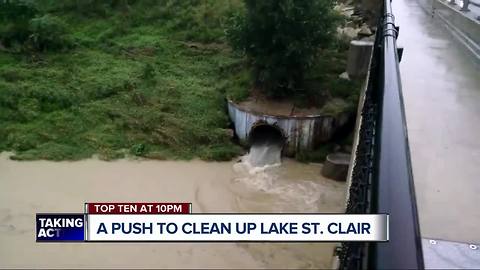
[(20, 29), (148, 72), (138, 149), (282, 38), (14, 22), (48, 33)]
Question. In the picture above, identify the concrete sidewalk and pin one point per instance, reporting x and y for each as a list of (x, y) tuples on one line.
[(441, 88), (464, 26)]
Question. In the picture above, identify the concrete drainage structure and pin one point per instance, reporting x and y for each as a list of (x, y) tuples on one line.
[(299, 132), (336, 166)]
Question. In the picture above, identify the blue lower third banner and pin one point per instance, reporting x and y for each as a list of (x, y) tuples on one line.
[(60, 227), (211, 227)]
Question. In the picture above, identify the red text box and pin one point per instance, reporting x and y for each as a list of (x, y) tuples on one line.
[(138, 208)]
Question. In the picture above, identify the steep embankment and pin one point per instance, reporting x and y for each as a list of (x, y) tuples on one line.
[(148, 80)]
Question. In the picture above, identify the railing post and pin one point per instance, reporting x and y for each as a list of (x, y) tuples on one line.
[(465, 6)]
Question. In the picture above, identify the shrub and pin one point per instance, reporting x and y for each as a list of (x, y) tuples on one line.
[(138, 149), (20, 28), (148, 72), (14, 22), (48, 33), (281, 39)]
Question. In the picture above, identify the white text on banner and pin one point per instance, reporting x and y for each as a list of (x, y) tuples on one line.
[(238, 227)]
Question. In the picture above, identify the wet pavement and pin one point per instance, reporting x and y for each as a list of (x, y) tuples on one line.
[(441, 89)]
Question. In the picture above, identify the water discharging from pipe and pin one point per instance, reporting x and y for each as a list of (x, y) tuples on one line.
[(266, 146), (263, 183)]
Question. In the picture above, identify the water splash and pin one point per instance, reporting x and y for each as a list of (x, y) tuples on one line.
[(262, 155), (266, 149), (263, 183)]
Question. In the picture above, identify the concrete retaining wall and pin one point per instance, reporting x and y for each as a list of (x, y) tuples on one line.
[(301, 133)]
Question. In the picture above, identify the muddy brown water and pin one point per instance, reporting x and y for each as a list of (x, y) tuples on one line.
[(33, 187)]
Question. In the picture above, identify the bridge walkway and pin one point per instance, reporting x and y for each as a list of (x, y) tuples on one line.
[(441, 88)]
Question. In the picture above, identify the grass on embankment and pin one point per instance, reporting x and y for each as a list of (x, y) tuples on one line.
[(142, 83), (148, 81)]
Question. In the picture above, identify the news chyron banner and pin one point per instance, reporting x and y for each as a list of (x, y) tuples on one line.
[(175, 222)]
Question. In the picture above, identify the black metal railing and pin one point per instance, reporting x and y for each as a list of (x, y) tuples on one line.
[(382, 180)]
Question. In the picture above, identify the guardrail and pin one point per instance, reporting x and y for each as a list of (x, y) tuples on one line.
[(382, 180), (465, 4)]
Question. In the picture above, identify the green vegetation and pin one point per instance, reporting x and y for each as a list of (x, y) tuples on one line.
[(147, 80), (136, 77), (304, 62), (324, 87), (282, 39), (14, 22)]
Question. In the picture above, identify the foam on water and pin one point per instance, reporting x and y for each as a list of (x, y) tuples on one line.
[(264, 154), (263, 183)]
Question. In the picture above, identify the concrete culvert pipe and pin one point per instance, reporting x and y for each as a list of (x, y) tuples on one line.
[(336, 166)]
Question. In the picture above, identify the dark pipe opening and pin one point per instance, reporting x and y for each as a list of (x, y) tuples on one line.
[(266, 144), (266, 134)]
